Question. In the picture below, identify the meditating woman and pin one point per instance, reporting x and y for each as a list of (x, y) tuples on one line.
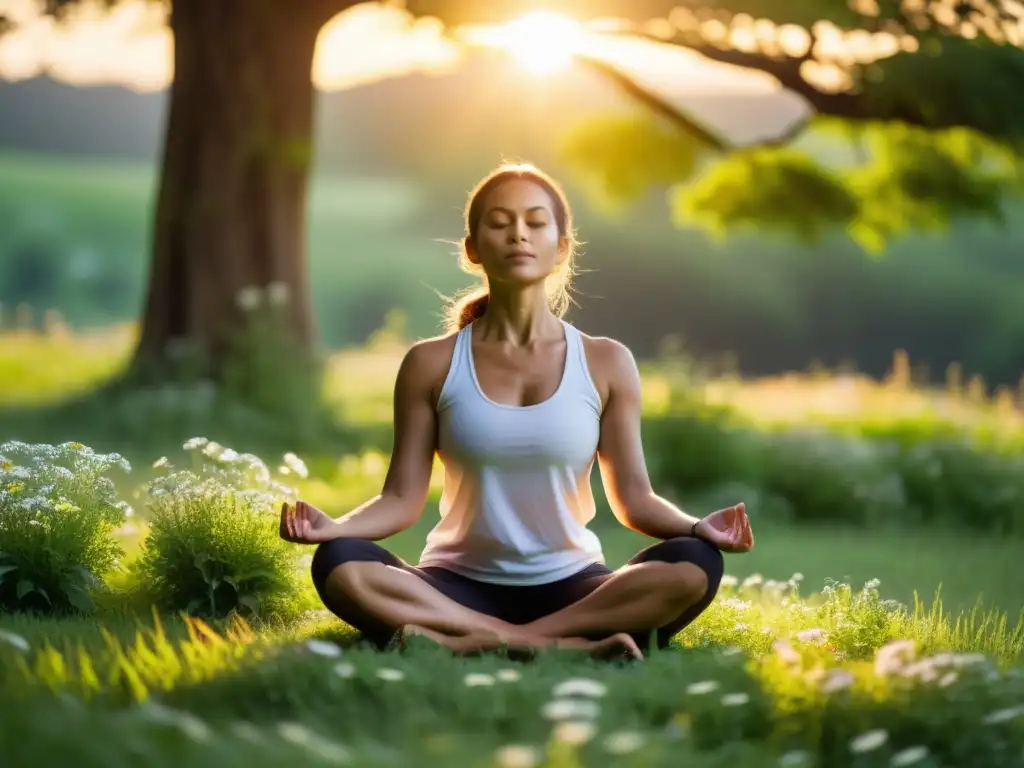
[(518, 403)]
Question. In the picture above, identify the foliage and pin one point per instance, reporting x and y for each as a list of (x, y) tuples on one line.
[(767, 676), (622, 157), (813, 473), (908, 179), (58, 512), (768, 189), (213, 545)]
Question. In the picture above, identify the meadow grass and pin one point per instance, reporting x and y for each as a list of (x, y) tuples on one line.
[(804, 659)]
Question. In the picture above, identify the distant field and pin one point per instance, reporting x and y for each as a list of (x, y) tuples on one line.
[(80, 229)]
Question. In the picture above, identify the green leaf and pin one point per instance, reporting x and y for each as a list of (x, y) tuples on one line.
[(85, 576), (24, 587), (772, 189), (620, 158), (5, 569), (79, 599), (251, 602)]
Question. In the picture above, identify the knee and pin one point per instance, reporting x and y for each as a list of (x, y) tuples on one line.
[(698, 566), (332, 556)]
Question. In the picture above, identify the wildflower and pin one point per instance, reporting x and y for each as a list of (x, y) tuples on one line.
[(246, 731), (344, 670), (323, 648), (188, 723), (580, 686), (277, 293), (508, 675), (893, 657), (968, 659), (194, 443), (17, 641), (735, 699), (754, 580), (162, 462), (391, 675), (948, 679), (570, 709), (795, 758), (300, 735), (517, 756), (623, 742), (785, 652), (705, 686), (574, 732), (475, 679), (836, 680), (812, 635), (296, 465), (909, 756), (728, 581), (868, 741), (249, 298), (1003, 715)]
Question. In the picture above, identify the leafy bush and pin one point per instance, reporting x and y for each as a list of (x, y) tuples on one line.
[(824, 474), (213, 545), (58, 513)]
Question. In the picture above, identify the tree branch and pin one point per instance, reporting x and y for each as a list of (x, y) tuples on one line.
[(861, 103), (655, 103)]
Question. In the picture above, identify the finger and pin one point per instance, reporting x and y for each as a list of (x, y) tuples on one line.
[(292, 527)]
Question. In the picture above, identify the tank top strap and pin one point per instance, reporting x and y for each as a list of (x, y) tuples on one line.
[(577, 368), (459, 370)]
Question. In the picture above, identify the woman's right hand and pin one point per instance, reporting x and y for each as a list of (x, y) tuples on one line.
[(305, 524)]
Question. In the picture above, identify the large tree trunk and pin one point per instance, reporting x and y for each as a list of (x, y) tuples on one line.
[(232, 199)]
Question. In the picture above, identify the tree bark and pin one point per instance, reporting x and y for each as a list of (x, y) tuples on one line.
[(231, 204)]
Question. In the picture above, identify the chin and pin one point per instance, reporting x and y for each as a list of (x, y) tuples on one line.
[(524, 275)]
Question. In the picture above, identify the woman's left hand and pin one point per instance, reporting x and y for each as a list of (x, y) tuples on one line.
[(728, 529)]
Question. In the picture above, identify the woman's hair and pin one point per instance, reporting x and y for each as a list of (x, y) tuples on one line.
[(471, 304)]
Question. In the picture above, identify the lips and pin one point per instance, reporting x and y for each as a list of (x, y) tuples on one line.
[(520, 255)]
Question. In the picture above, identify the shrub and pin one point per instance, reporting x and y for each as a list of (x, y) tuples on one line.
[(58, 513), (213, 546), (827, 477), (889, 476)]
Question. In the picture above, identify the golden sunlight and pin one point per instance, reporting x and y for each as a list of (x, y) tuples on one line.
[(541, 42)]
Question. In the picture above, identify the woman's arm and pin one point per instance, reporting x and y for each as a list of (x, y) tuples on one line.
[(407, 484), (620, 451)]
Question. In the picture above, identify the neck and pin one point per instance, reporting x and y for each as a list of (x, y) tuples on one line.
[(518, 316)]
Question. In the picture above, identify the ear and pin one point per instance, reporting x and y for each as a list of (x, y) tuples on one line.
[(564, 249), (471, 253)]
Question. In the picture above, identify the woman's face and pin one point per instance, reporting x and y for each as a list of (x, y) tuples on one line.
[(517, 239)]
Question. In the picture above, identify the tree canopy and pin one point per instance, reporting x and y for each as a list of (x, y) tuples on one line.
[(927, 90), (914, 118)]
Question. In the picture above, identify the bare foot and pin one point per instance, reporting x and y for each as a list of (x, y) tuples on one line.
[(615, 646), (481, 641)]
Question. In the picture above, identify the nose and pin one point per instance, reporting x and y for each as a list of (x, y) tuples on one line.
[(518, 233)]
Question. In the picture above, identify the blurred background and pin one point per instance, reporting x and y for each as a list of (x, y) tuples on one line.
[(861, 402)]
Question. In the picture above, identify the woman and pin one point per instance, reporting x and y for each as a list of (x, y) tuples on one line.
[(517, 404)]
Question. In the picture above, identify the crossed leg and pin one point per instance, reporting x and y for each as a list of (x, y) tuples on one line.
[(662, 589)]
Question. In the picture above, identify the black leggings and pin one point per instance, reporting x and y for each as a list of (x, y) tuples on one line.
[(513, 604)]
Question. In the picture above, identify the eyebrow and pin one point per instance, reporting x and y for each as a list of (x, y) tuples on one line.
[(510, 211)]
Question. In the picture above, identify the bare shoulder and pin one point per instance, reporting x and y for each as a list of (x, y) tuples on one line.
[(426, 363), (612, 365)]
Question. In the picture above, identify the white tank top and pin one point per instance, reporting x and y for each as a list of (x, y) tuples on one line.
[(517, 496)]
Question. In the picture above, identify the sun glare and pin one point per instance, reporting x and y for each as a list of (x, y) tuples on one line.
[(541, 42)]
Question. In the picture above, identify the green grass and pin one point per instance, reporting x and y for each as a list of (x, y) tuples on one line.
[(780, 670), (747, 682)]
